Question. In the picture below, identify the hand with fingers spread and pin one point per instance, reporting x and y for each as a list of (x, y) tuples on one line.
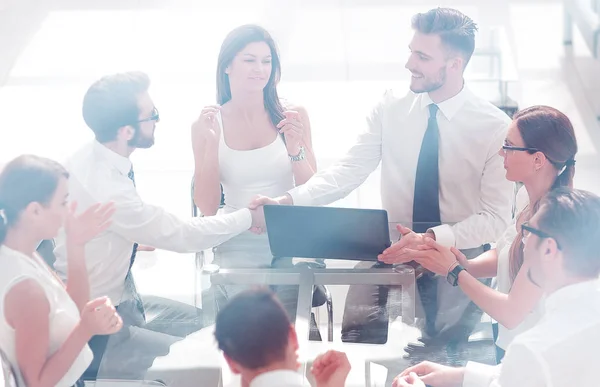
[(293, 131), (206, 127), (331, 369), (99, 317), (83, 227), (403, 250), (432, 374)]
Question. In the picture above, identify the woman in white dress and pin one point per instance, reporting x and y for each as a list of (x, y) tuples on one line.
[(539, 151), (45, 326)]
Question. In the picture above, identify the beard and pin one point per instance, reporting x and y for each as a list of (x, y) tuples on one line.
[(430, 84), (140, 140)]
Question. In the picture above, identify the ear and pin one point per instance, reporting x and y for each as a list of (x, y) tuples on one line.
[(293, 338), (233, 366), (539, 160), (457, 63), (549, 250), (126, 133), (33, 208), (227, 70)]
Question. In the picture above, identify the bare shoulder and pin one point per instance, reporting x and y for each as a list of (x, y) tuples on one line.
[(25, 292)]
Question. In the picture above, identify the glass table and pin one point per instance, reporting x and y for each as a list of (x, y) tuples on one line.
[(186, 361)]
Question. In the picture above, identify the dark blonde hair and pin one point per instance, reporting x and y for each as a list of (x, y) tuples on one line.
[(26, 179), (456, 30), (549, 131)]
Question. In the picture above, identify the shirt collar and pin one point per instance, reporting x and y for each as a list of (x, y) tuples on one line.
[(123, 164), (572, 293), (451, 106), (278, 378)]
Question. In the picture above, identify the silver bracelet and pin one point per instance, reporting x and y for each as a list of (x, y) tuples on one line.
[(300, 156)]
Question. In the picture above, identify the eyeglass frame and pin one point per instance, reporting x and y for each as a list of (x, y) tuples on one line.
[(537, 232), (154, 117), (519, 148)]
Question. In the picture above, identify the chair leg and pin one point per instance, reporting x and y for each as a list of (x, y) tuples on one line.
[(329, 316)]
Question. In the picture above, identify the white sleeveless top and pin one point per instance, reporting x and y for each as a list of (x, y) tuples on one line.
[(64, 315), (244, 174), (505, 335)]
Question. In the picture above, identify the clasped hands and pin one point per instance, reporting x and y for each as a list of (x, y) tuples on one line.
[(424, 250), (256, 208)]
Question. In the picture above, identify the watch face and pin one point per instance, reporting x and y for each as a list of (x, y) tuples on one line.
[(453, 275)]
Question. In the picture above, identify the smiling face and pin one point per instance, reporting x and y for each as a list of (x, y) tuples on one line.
[(251, 68), (431, 64)]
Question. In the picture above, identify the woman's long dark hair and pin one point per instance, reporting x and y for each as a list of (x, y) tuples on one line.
[(550, 132), (235, 42), (24, 180)]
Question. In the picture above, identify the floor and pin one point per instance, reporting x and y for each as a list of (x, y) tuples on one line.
[(338, 57)]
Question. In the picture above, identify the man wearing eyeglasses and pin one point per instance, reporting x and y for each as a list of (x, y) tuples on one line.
[(121, 114), (561, 247)]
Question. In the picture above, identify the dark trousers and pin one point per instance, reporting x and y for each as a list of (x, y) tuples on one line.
[(366, 313), (128, 353)]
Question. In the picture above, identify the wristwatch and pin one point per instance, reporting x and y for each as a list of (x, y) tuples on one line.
[(452, 276), (300, 156)]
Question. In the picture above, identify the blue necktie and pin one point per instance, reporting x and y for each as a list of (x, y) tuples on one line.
[(426, 209), (129, 282)]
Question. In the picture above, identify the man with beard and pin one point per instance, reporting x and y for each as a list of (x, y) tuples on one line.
[(440, 173), (120, 112)]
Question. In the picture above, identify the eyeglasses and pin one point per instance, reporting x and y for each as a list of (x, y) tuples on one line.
[(506, 147), (527, 230), (154, 117)]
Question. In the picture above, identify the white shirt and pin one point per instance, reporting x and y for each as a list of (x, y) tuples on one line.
[(63, 315), (246, 173), (474, 192), (100, 175), (561, 350), (278, 378)]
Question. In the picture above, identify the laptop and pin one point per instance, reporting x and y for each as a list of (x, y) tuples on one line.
[(327, 232)]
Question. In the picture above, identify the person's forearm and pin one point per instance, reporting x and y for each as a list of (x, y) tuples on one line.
[(78, 285), (57, 365), (207, 188), (485, 265), (302, 170), (494, 303)]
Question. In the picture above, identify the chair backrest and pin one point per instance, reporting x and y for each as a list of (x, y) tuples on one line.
[(8, 377), (46, 250)]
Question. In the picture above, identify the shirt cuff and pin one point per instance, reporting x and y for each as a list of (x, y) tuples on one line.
[(300, 196), (242, 219), (444, 235), (479, 375)]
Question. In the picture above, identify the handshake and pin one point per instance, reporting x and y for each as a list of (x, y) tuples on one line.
[(258, 215)]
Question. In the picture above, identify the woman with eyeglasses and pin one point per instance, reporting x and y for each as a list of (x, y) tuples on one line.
[(44, 325), (539, 151)]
